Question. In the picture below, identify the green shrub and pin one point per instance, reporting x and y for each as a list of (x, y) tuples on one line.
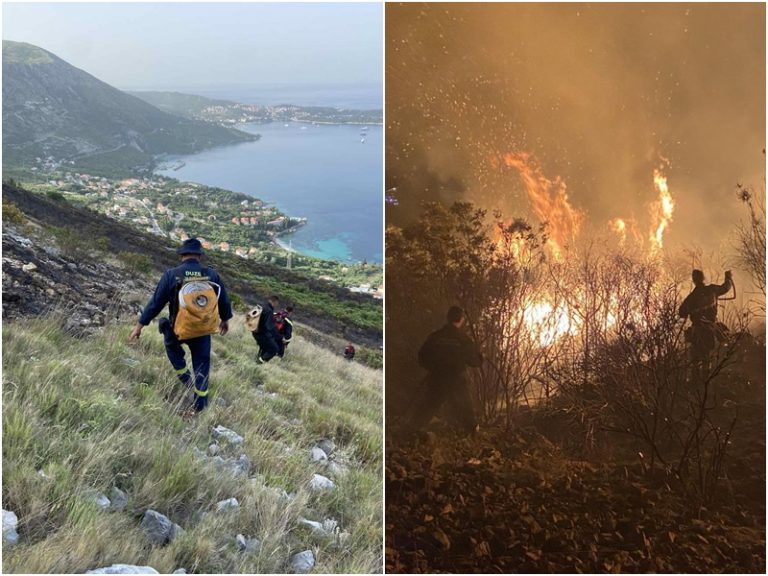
[(12, 213), (140, 263), (370, 357), (102, 243), (71, 242), (56, 196)]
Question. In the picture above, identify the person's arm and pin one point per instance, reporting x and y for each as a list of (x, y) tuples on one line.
[(473, 356), (155, 305), (225, 304), (724, 288)]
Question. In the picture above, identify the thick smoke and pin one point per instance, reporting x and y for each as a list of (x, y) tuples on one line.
[(598, 94)]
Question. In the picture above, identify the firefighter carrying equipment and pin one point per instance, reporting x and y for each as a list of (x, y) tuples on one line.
[(198, 313)]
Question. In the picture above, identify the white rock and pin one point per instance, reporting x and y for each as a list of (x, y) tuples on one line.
[(124, 569), (10, 521), (329, 524), (180, 571), (320, 482), (159, 528), (222, 433), (247, 544), (227, 504), (29, 267), (303, 562), (316, 526), (327, 445), (213, 449), (102, 501), (317, 454)]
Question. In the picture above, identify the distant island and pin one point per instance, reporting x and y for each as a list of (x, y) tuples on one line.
[(228, 113)]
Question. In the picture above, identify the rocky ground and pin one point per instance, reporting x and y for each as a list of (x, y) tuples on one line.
[(509, 502), (38, 277)]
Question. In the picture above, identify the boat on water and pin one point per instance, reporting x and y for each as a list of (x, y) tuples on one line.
[(362, 140)]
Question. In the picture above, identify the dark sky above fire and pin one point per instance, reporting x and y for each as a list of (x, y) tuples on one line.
[(599, 95)]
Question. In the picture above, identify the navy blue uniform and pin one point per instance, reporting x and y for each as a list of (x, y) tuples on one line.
[(200, 348), (266, 335)]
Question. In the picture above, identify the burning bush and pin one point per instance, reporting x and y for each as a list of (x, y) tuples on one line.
[(592, 333)]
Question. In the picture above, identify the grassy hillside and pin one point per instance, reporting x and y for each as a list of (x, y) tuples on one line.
[(81, 416)]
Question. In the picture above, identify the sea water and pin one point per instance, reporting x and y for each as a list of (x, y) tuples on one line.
[(329, 174)]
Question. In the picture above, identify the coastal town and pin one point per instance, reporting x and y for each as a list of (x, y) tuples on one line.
[(222, 220)]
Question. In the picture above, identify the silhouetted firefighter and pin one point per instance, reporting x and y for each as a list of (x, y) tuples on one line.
[(446, 354), (701, 307)]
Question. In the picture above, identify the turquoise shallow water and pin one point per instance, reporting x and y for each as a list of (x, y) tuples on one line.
[(323, 173)]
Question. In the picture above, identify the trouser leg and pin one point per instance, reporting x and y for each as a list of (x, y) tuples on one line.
[(462, 409), (267, 347), (175, 352), (201, 362), (433, 399)]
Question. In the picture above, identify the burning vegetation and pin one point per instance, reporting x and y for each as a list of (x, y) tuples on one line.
[(587, 370), (558, 171)]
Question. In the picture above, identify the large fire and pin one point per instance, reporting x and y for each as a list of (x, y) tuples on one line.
[(544, 319), (549, 201)]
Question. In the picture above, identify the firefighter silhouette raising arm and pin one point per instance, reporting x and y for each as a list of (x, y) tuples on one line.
[(700, 306)]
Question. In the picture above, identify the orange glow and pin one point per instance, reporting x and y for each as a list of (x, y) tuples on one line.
[(619, 226), (549, 200), (661, 211)]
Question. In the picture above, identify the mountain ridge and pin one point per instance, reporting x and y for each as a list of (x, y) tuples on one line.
[(54, 109)]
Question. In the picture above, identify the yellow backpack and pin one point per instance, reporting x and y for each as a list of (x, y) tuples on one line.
[(198, 313)]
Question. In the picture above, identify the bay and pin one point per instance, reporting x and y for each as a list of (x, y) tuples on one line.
[(321, 172)]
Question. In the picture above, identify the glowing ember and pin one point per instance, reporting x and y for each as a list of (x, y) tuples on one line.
[(549, 201), (661, 211)]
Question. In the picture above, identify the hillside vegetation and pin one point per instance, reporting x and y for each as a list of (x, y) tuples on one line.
[(82, 416), (81, 237), (52, 110)]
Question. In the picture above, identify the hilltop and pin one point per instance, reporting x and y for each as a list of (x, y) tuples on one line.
[(53, 110), (93, 436)]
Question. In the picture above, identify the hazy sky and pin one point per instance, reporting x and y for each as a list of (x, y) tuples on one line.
[(598, 93), (175, 45)]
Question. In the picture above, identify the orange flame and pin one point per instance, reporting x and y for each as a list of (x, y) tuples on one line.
[(661, 211), (549, 201), (619, 226)]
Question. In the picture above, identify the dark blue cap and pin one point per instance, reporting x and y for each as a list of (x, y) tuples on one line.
[(190, 246)]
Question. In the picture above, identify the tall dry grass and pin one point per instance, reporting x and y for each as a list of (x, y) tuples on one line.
[(83, 415)]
